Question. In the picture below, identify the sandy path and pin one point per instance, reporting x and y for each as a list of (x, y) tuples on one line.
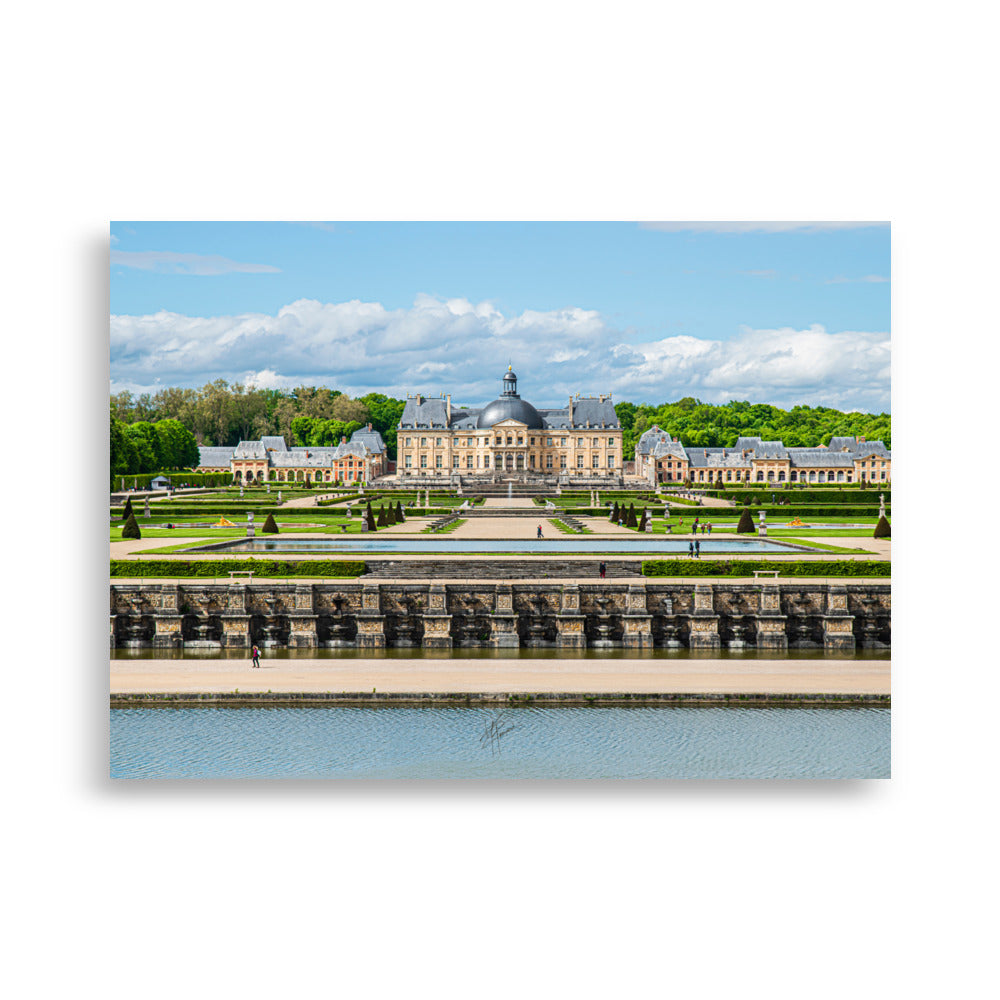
[(833, 676)]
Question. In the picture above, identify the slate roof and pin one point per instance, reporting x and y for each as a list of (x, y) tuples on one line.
[(370, 438), (431, 414), (866, 448), (214, 457), (250, 449), (424, 413), (717, 458), (274, 443), (820, 458)]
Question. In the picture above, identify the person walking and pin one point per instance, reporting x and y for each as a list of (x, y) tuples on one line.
[(690, 550), (603, 569), (709, 527), (539, 531), (697, 549), (255, 656)]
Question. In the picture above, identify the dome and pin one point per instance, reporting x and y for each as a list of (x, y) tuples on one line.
[(510, 407)]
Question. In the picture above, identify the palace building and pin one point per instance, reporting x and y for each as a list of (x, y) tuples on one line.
[(509, 439), (659, 458), (363, 458)]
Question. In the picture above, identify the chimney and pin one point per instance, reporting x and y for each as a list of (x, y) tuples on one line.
[(861, 440), (448, 398), (571, 411), (369, 427), (343, 440)]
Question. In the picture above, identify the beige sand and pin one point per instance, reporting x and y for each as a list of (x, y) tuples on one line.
[(819, 676)]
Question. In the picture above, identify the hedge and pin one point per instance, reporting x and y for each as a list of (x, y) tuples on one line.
[(746, 567), (221, 567), (846, 495), (142, 481)]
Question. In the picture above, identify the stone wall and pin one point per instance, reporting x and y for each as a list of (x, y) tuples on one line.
[(493, 613)]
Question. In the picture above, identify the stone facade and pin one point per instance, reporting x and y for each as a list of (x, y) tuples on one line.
[(509, 438), (361, 459), (479, 613), (660, 458)]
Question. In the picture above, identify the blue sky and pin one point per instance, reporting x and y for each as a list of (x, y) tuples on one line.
[(771, 312)]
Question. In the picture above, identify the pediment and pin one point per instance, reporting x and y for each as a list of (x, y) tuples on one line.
[(510, 422)]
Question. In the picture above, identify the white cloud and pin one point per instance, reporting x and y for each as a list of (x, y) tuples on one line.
[(165, 262), (755, 227), (463, 347)]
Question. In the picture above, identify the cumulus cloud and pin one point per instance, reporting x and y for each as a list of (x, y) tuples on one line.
[(165, 262), (755, 227), (462, 347)]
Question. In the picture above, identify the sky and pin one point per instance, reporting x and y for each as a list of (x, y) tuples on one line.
[(771, 312)]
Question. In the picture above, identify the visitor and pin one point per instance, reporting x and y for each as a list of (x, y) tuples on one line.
[(710, 527), (690, 550), (603, 570), (539, 531), (697, 549), (255, 656)]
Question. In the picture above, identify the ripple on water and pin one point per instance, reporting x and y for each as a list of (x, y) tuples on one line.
[(542, 743)]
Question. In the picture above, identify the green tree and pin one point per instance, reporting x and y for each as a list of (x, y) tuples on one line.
[(143, 437), (746, 522), (881, 529), (178, 448), (270, 527)]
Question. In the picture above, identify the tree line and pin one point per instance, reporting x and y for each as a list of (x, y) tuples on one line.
[(163, 431), (696, 424), (223, 414)]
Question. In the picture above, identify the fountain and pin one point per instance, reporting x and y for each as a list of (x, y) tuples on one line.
[(272, 625), (535, 632), (408, 631), (603, 623), (338, 625)]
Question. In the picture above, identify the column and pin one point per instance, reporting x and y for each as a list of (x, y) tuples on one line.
[(770, 621), (637, 622), (704, 620), (302, 620), (503, 621), (437, 621), (838, 624), (167, 618), (371, 621), (569, 621)]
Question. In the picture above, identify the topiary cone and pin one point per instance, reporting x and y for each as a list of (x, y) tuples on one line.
[(370, 517), (881, 529), (631, 522), (399, 512), (270, 527), (131, 528), (127, 510), (746, 523)]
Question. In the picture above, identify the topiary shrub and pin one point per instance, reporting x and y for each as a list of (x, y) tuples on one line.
[(614, 513), (630, 521), (381, 522), (131, 528), (127, 511), (746, 523), (399, 513), (881, 529), (642, 520), (370, 517), (270, 527)]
